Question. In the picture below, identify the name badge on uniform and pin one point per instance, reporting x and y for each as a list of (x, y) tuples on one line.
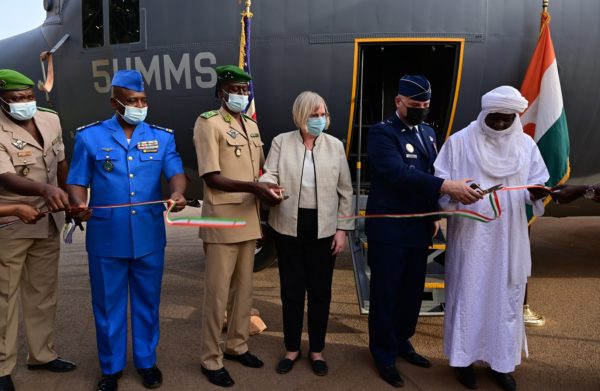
[(150, 146), (19, 144), (411, 156), (24, 153), (254, 135), (232, 133)]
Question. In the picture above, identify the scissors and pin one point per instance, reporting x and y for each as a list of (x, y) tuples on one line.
[(492, 189)]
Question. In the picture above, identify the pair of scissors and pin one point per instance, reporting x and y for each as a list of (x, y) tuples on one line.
[(492, 189)]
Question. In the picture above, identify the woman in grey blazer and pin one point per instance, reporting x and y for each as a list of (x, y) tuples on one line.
[(311, 166)]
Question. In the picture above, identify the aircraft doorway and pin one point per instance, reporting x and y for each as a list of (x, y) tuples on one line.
[(378, 66)]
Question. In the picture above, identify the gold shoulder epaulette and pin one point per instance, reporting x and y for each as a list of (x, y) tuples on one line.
[(47, 110), (79, 129), (161, 128), (209, 114)]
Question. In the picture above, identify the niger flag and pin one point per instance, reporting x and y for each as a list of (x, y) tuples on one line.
[(544, 119)]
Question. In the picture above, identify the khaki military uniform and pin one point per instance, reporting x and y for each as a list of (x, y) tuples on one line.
[(30, 252), (235, 151)]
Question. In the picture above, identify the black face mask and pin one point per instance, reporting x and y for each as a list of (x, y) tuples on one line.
[(415, 115)]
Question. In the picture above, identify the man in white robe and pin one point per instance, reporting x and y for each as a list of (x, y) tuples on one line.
[(487, 265)]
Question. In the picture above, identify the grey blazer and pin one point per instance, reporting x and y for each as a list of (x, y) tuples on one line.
[(333, 184)]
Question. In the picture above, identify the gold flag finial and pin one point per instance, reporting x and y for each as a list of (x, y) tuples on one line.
[(247, 11), (545, 5)]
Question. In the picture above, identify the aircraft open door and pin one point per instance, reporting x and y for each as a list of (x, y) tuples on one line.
[(378, 64)]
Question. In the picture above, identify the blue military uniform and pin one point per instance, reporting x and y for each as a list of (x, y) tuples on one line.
[(125, 245), (402, 181)]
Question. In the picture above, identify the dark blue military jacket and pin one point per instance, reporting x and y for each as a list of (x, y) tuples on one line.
[(118, 172), (402, 181)]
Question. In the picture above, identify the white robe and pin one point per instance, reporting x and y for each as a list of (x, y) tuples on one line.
[(487, 264)]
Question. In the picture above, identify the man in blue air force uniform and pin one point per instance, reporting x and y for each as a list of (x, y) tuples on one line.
[(122, 160), (402, 150)]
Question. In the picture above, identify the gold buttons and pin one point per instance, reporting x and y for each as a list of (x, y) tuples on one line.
[(130, 175), (129, 158), (133, 212), (132, 193)]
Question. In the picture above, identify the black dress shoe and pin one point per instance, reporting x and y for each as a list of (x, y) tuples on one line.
[(151, 377), (247, 359), (218, 377), (416, 359), (391, 375), (505, 380), (6, 383), (319, 367), (466, 377), (109, 382), (287, 364), (56, 365)]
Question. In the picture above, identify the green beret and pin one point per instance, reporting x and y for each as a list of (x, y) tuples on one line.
[(12, 80), (232, 73)]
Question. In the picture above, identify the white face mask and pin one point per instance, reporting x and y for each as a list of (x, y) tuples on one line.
[(236, 103), (133, 115), (21, 111)]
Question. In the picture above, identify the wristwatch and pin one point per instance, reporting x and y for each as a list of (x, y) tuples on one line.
[(590, 193)]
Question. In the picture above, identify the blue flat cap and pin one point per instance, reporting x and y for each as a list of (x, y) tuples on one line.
[(129, 79), (415, 87)]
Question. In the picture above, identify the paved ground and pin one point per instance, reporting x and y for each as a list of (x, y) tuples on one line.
[(564, 355)]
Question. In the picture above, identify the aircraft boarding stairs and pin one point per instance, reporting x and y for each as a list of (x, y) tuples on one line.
[(433, 295)]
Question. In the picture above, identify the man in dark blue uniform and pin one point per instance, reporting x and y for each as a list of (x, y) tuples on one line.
[(122, 160), (402, 150)]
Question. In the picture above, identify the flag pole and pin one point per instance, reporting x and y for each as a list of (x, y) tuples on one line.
[(545, 5), (245, 14)]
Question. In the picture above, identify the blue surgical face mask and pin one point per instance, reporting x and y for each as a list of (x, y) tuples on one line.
[(21, 111), (315, 126), (236, 103), (133, 115)]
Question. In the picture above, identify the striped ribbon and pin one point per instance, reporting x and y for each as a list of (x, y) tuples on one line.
[(204, 222), (194, 221), (216, 222), (469, 214)]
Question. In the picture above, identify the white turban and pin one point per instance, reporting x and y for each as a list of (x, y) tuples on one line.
[(505, 100), (500, 153)]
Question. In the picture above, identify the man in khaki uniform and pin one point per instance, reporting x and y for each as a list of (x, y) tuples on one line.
[(31, 147), (230, 157)]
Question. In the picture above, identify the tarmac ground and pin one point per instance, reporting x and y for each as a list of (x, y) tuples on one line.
[(563, 355)]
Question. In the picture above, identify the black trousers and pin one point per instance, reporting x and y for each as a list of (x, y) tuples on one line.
[(305, 269), (397, 282)]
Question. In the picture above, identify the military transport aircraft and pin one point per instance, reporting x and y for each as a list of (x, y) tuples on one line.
[(350, 51)]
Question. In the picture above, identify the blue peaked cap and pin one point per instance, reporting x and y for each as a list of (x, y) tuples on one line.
[(415, 87), (129, 79)]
